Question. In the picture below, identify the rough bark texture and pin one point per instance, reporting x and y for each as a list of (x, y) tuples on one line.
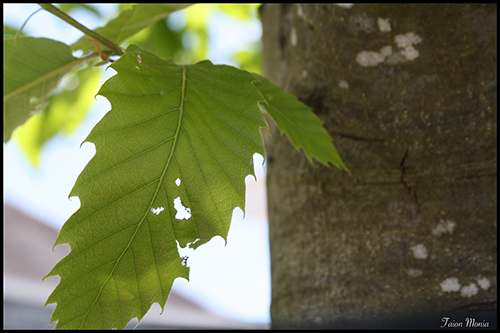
[(412, 232)]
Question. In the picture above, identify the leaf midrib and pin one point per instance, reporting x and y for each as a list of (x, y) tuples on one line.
[(181, 111)]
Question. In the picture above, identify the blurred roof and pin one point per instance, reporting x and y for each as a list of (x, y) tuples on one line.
[(28, 258)]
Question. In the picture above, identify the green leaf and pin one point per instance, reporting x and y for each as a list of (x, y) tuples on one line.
[(171, 159), (128, 23), (302, 126), (64, 113), (33, 68), (160, 40), (11, 31)]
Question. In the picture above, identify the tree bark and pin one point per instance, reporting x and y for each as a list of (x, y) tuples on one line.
[(408, 92)]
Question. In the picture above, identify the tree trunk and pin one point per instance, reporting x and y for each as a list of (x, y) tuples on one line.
[(408, 92)]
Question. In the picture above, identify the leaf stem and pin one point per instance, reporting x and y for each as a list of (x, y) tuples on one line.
[(21, 28), (116, 49)]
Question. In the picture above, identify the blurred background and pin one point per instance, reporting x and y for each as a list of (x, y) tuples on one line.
[(229, 285)]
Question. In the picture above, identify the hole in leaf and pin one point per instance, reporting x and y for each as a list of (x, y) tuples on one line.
[(184, 260), (183, 213), (158, 210), (34, 100), (185, 252), (178, 182), (193, 242)]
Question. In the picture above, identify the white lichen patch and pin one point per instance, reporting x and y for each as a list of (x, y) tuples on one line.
[(415, 272), (158, 210), (344, 5), (405, 43), (386, 50), (469, 290), (343, 84), (410, 53), (369, 58), (384, 25), (484, 283), (450, 285), (407, 40), (300, 12), (420, 251), (405, 51), (444, 227), (293, 36)]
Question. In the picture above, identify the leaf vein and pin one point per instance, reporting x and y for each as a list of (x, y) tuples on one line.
[(156, 192), (123, 162)]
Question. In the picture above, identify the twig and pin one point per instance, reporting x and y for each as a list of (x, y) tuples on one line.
[(116, 49), (21, 28)]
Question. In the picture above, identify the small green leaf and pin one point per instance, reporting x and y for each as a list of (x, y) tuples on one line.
[(170, 166), (128, 23), (302, 126), (64, 113), (33, 68)]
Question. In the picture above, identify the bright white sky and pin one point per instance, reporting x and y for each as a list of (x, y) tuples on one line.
[(233, 280)]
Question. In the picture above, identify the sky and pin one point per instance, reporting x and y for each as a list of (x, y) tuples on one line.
[(233, 280)]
